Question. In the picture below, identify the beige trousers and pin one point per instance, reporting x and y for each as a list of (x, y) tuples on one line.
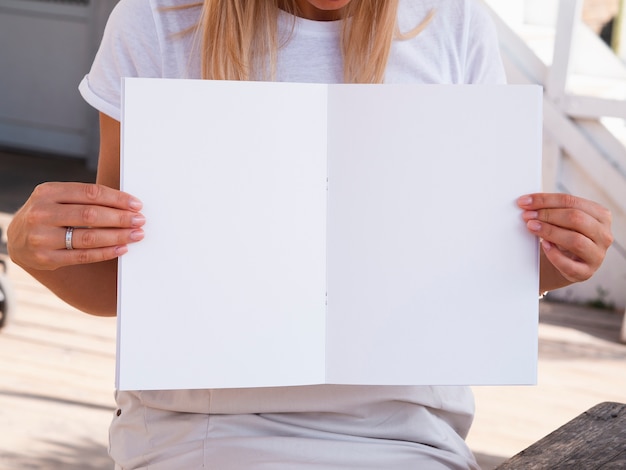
[(389, 435)]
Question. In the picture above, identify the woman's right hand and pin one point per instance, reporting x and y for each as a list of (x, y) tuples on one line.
[(106, 220)]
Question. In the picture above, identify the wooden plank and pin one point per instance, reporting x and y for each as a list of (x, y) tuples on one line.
[(551, 167), (585, 153), (593, 107), (595, 439), (569, 16)]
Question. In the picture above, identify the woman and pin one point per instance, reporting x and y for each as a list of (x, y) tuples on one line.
[(367, 41)]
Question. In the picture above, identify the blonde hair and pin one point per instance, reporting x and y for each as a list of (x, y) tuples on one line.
[(238, 39)]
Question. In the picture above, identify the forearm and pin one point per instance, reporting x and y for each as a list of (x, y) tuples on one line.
[(550, 277), (91, 288)]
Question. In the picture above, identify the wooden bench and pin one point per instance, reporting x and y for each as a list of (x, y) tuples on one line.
[(594, 440)]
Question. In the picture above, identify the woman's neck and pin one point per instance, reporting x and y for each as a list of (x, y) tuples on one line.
[(305, 9)]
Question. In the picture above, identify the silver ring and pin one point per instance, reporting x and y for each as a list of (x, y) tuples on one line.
[(68, 238)]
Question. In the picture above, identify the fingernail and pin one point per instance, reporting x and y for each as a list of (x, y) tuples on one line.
[(547, 246), (534, 225), (135, 204), (525, 201), (121, 250), (137, 235), (138, 220), (530, 215)]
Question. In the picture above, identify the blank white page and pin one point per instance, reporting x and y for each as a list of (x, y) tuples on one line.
[(432, 275), (228, 287)]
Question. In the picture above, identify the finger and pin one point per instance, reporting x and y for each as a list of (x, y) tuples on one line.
[(572, 268), (538, 201), (90, 238), (575, 220), (572, 244), (59, 258), (74, 215), (87, 194)]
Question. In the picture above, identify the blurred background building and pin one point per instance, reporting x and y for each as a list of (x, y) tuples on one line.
[(46, 47)]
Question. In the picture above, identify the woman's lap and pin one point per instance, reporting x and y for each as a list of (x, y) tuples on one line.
[(385, 436)]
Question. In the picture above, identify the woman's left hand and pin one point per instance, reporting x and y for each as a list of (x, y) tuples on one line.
[(575, 232)]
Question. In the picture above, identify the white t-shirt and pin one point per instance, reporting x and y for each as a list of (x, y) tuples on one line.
[(459, 46), (142, 39)]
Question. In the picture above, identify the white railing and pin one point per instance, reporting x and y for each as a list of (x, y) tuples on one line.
[(545, 43)]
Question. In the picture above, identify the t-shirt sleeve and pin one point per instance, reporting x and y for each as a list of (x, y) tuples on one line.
[(129, 48), (483, 62)]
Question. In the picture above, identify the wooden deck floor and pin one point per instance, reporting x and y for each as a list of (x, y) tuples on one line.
[(56, 386), (57, 369)]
